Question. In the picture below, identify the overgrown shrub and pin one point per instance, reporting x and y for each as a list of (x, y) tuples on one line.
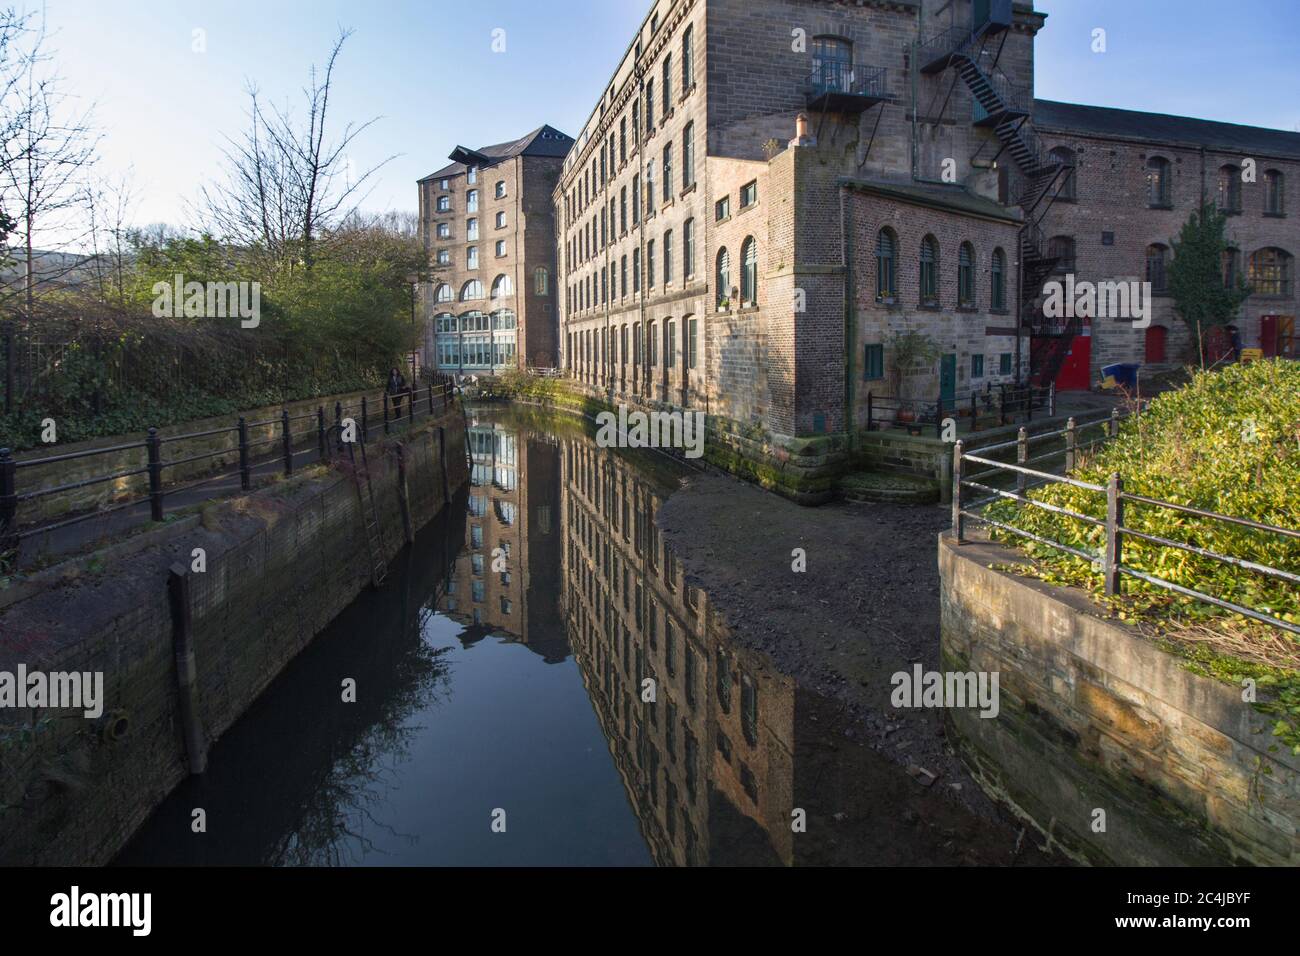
[(1229, 442)]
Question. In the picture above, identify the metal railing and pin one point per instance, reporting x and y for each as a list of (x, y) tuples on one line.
[(854, 79), (1110, 561), (988, 407), (434, 397)]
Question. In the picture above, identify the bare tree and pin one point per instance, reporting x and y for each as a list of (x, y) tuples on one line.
[(45, 159), (110, 203), (288, 181)]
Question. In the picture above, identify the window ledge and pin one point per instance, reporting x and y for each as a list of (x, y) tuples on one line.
[(999, 312), (967, 309), (930, 307), (1160, 205), (726, 218), (745, 209), (691, 188), (1274, 215), (745, 309)]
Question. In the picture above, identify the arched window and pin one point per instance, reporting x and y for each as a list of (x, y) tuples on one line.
[(998, 292), (722, 278), (443, 293), (1274, 193), (502, 286), (473, 289), (1270, 272), (749, 271), (1065, 156), (444, 322), (500, 189), (1157, 260), (541, 281), (503, 320), (475, 321), (1159, 191), (1061, 248), (886, 270), (929, 271), (966, 275), (1229, 199), (832, 63)]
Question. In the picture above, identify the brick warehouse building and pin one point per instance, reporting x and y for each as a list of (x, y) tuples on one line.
[(768, 192), (488, 228)]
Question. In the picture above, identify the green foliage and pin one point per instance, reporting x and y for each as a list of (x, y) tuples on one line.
[(1195, 275), (1229, 442), (909, 351)]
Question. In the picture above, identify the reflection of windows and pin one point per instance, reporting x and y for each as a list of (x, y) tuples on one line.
[(690, 676), (749, 783), (505, 512), (542, 521), (723, 682), (477, 506), (476, 562), (749, 709), (479, 592), (476, 536), (506, 606)]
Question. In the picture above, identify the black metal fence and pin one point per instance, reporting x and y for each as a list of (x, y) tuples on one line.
[(981, 408), (385, 411), (1110, 560)]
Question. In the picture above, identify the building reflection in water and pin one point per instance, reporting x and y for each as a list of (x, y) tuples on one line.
[(707, 764)]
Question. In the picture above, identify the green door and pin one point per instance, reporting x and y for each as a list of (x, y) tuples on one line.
[(948, 379)]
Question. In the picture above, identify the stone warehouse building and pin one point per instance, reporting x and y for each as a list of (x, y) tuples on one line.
[(769, 192), (488, 228)]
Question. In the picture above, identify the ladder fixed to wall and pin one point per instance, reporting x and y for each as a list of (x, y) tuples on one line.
[(373, 527)]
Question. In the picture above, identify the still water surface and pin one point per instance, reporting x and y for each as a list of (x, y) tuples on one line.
[(504, 666)]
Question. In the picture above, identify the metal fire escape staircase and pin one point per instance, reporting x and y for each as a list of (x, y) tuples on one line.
[(1040, 178)]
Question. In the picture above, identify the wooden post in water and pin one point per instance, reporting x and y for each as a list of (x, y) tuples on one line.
[(178, 593)]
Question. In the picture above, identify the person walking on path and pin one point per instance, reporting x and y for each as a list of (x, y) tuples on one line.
[(396, 389)]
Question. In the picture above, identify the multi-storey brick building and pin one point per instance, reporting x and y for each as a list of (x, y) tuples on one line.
[(769, 192), (488, 228)]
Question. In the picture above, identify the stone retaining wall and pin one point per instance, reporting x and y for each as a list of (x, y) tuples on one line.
[(1095, 718), (281, 564)]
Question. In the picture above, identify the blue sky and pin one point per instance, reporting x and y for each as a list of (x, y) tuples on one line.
[(428, 70)]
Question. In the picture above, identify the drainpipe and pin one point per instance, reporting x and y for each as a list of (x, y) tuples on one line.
[(850, 323)]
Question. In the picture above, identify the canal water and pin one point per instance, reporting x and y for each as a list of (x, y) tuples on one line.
[(538, 683)]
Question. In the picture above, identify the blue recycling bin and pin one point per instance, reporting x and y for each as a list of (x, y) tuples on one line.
[(1120, 375)]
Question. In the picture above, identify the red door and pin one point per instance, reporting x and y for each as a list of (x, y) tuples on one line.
[(1075, 373), (1155, 345)]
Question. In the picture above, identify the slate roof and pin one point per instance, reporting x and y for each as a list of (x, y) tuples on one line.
[(1163, 128), (544, 141), (952, 198)]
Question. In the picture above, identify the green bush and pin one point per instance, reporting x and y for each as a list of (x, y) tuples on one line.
[(1229, 442)]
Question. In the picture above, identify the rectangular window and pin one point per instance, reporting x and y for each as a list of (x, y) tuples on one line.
[(722, 208), (636, 198), (1004, 363), (688, 248), (692, 342), (977, 366), (668, 172), (653, 344), (649, 105), (668, 257), (748, 194), (501, 248), (471, 229), (688, 156), (873, 365), (444, 203), (650, 264), (670, 346), (636, 270), (471, 257)]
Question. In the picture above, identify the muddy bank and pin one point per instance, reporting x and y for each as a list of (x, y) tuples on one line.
[(866, 608)]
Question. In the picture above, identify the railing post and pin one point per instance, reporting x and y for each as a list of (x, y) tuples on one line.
[(338, 416), (429, 392), (320, 431), (869, 399), (410, 404), (1114, 553), (8, 494), (365, 423), (1113, 428), (384, 400), (938, 418), (1051, 399), (286, 440), (1071, 445), (958, 520), (154, 445), (1022, 457), (245, 476), (1029, 403)]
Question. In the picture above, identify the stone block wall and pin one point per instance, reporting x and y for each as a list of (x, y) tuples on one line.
[(1095, 717), (281, 563)]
